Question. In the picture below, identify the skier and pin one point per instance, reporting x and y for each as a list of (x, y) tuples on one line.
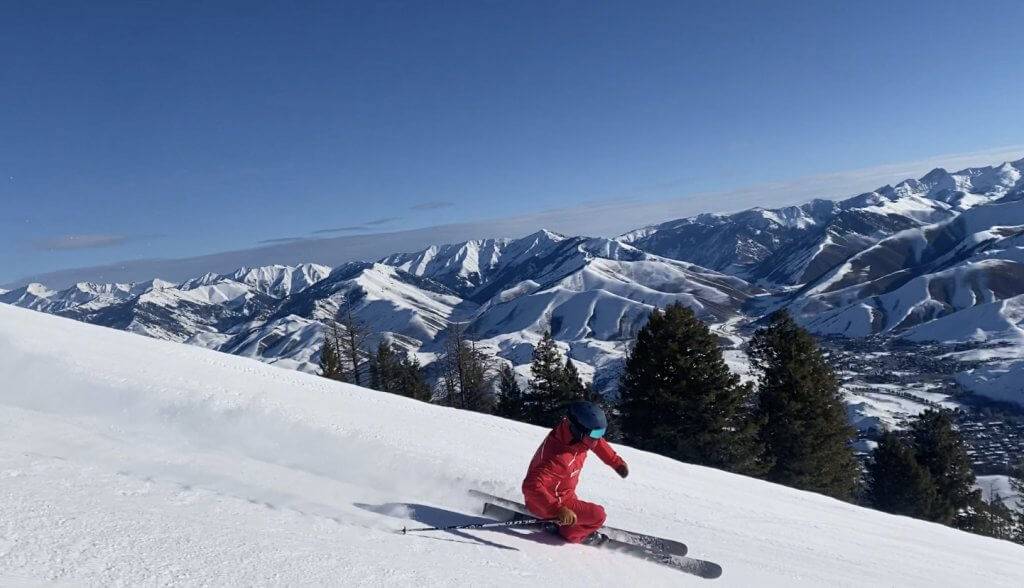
[(550, 484)]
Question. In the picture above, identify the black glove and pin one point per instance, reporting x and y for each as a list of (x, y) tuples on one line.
[(622, 470)]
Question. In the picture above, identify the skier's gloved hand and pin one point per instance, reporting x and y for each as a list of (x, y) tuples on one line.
[(566, 516), (622, 470)]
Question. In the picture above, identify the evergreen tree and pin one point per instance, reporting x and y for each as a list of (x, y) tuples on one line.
[(351, 343), (511, 402), (548, 391), (385, 366), (1017, 485), (896, 483), (804, 430), (940, 450), (330, 363), (410, 381), (465, 373), (678, 397), (572, 385), (992, 519), (394, 371)]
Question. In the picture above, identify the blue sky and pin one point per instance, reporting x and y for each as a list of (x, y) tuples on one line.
[(164, 130)]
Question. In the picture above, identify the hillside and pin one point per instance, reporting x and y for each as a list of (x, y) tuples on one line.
[(933, 262), (798, 244), (129, 460)]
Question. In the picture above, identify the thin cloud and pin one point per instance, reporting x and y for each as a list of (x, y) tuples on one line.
[(341, 229), (612, 216), (281, 240), (368, 225), (434, 205), (77, 242)]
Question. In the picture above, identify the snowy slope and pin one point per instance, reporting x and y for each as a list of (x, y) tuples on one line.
[(386, 299), (797, 244), (127, 460), (923, 274), (278, 281), (939, 258), (465, 267), (595, 300), (1003, 381), (35, 296), (1000, 486), (595, 292)]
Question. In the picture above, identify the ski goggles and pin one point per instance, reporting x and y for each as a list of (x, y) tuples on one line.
[(597, 433)]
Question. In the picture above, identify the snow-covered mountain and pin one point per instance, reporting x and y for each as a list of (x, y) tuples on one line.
[(931, 259), (278, 281), (34, 296), (467, 267), (177, 312), (408, 309), (594, 294), (133, 461), (798, 244), (919, 275)]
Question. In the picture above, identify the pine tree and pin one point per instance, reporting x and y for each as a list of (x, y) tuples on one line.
[(1017, 485), (572, 385), (410, 381), (511, 403), (548, 390), (939, 448), (385, 365), (466, 379), (896, 483), (992, 519), (804, 430), (678, 397), (351, 343), (330, 363)]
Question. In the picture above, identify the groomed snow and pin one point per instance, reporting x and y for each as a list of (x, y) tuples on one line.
[(126, 461)]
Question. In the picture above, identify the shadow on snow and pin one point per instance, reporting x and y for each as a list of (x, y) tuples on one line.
[(432, 516)]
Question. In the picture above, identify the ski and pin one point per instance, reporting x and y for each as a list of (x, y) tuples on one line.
[(658, 544), (505, 522), (697, 567)]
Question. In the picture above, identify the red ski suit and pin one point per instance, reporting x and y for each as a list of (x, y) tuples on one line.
[(551, 480)]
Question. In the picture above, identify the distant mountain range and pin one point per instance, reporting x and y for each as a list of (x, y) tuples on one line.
[(937, 258)]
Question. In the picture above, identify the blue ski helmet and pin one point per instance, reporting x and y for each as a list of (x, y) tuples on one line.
[(586, 419)]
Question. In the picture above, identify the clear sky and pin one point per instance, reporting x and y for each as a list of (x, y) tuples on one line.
[(171, 129)]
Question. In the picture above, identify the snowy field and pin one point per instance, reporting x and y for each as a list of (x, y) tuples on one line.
[(131, 461), (1000, 486)]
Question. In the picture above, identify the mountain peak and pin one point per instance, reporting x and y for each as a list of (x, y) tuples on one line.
[(37, 289), (544, 234), (34, 295), (935, 175)]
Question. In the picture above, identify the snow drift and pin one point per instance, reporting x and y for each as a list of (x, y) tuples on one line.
[(126, 460)]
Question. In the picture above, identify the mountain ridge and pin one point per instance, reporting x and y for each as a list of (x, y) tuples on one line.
[(886, 262)]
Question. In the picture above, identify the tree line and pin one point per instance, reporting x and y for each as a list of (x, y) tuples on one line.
[(925, 473), (465, 377), (344, 356), (678, 397)]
